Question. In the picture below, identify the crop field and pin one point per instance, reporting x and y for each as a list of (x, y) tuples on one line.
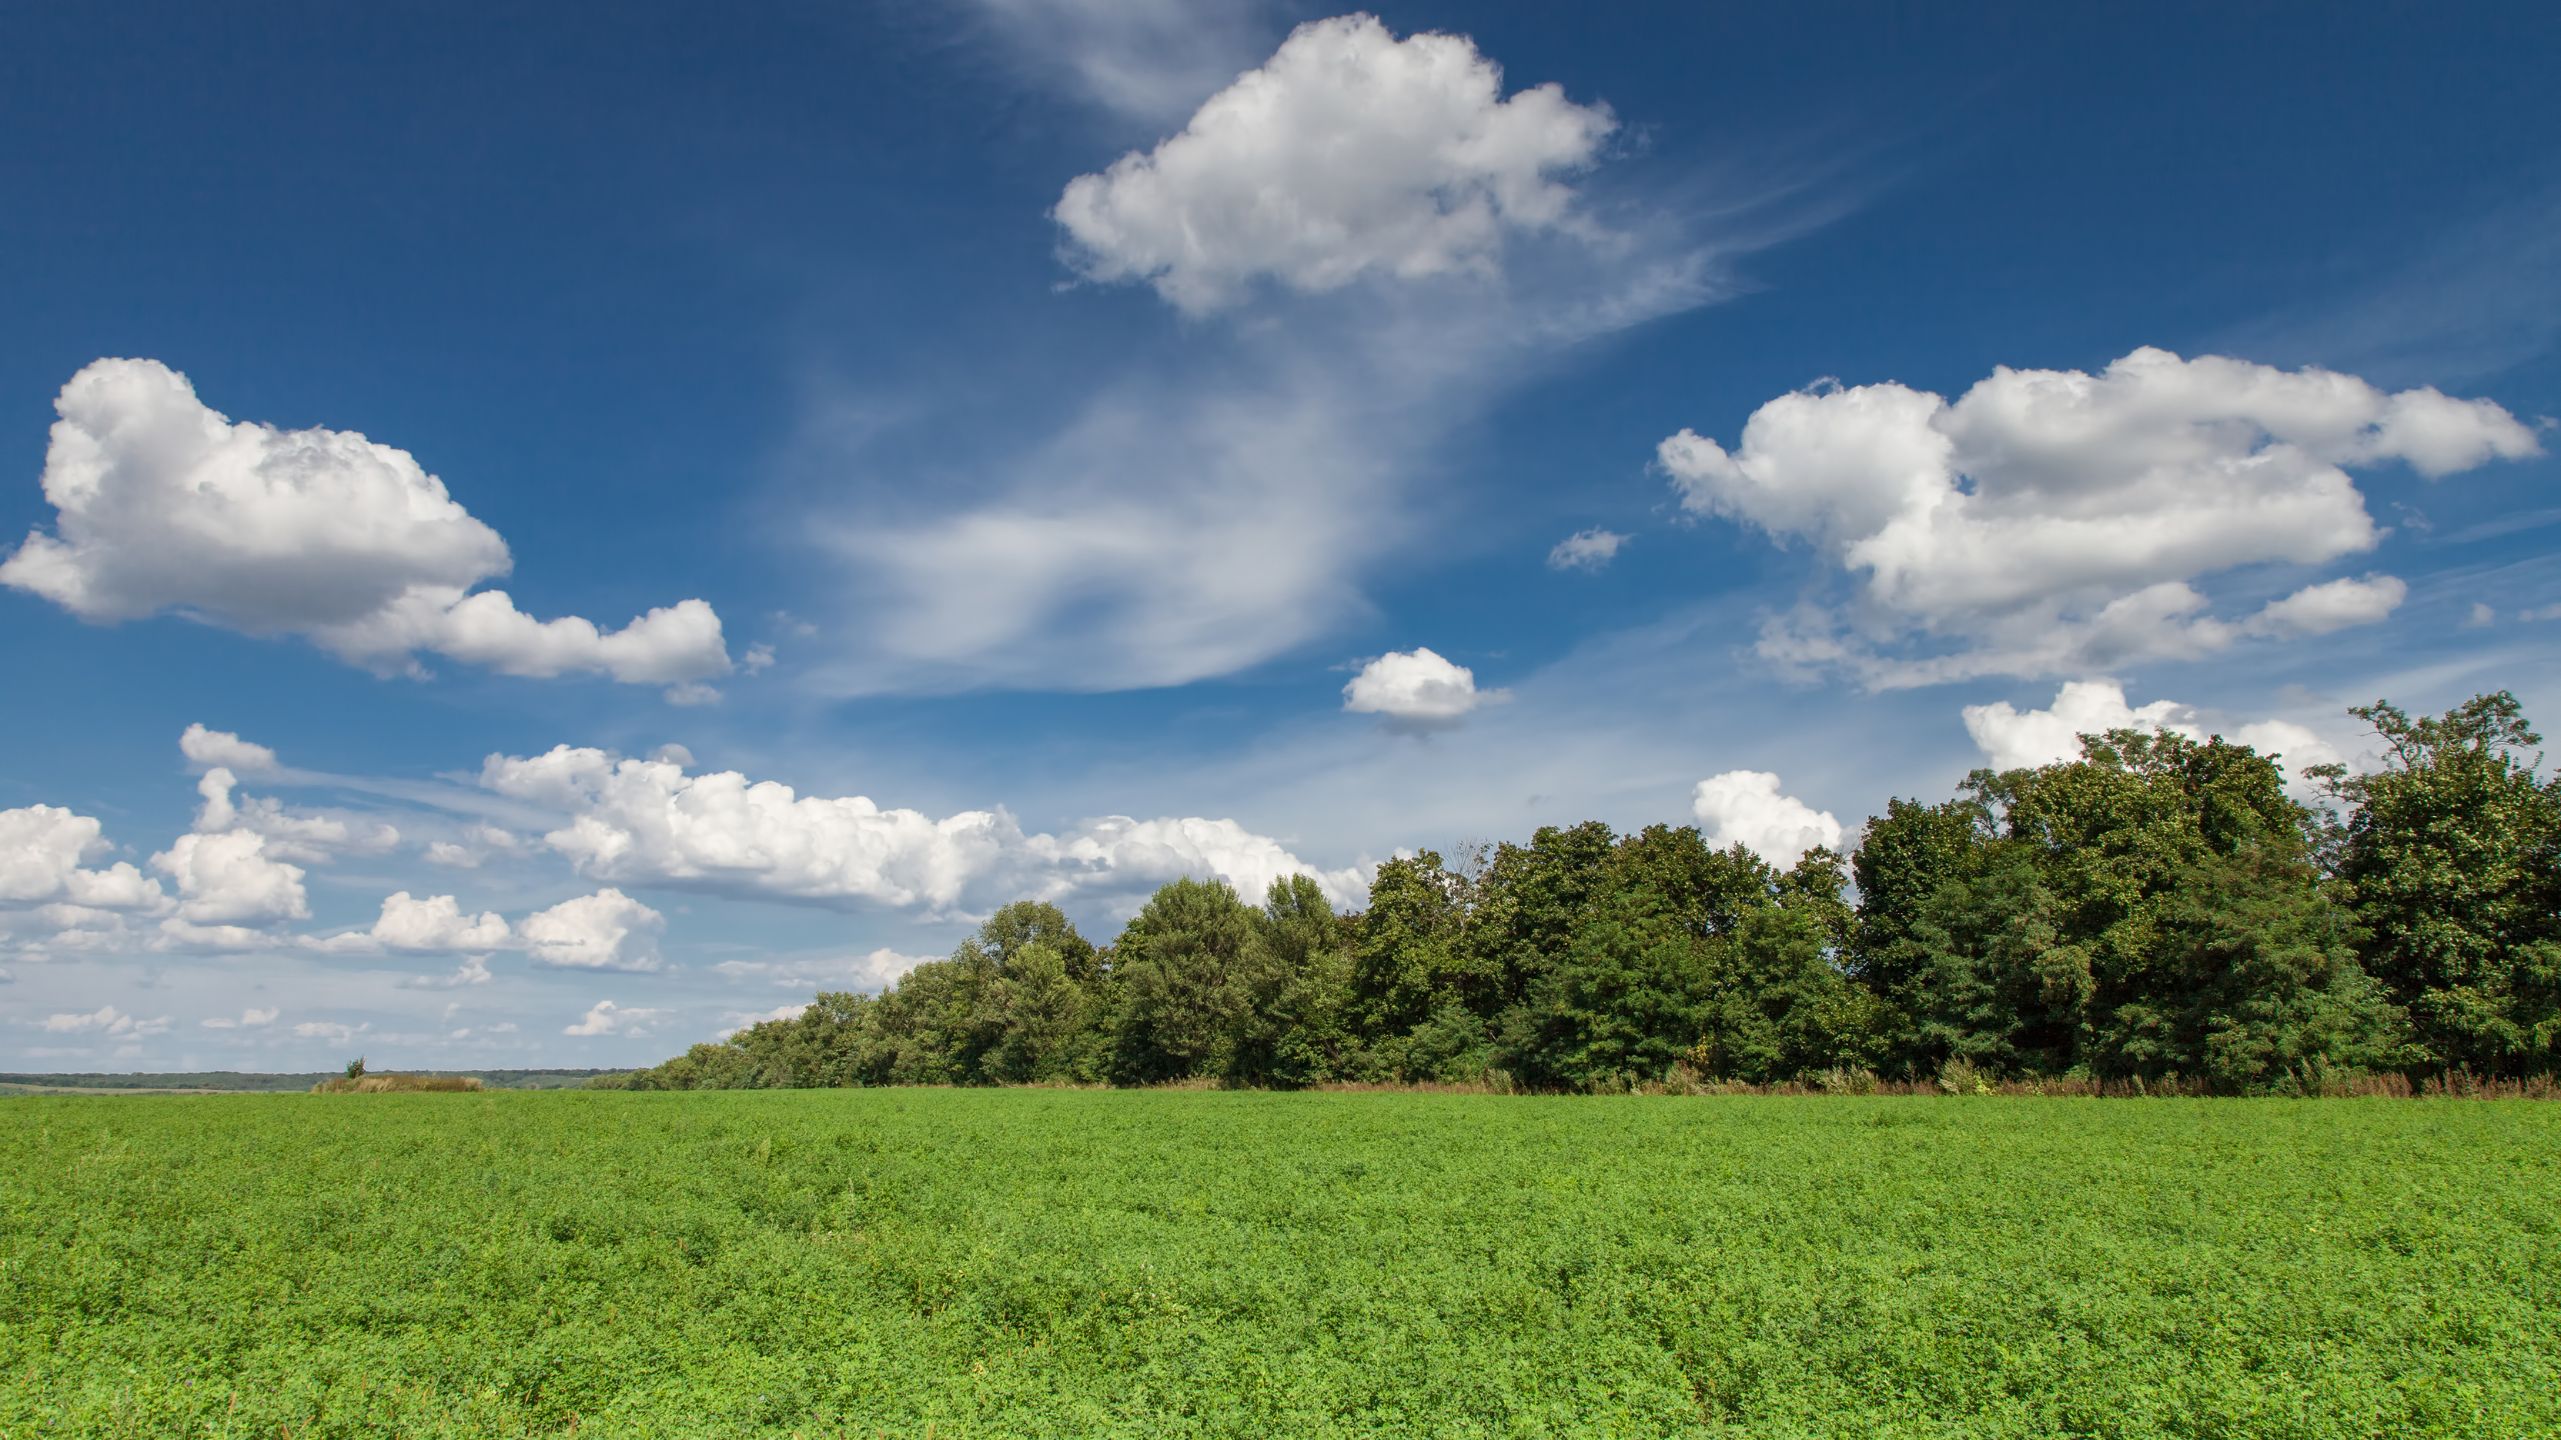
[(1064, 1263)]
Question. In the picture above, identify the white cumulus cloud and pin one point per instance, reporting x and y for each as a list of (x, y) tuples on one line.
[(1746, 808), (632, 821), (250, 1019), (1349, 153), (2054, 519), (738, 1020), (43, 850), (1119, 854), (2332, 605), (607, 1018), (874, 970), (211, 749), (436, 923), (1205, 507), (1415, 689), (2012, 739), (228, 878), (107, 1020), (164, 505), (604, 931)]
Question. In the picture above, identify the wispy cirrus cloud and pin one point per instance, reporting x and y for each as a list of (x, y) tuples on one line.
[(1139, 61), (1369, 240)]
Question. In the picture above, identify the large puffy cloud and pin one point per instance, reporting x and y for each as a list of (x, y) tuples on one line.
[(1117, 853), (43, 855), (1747, 808), (163, 504), (435, 924), (2049, 519), (1415, 689), (650, 821), (671, 645), (604, 931), (1348, 153), (2011, 738), (228, 878)]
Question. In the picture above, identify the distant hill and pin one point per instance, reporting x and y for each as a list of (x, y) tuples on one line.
[(228, 1081)]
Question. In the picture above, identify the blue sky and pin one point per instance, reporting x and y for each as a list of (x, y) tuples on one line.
[(1071, 445)]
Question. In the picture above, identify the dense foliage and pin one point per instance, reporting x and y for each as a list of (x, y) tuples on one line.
[(2158, 910), (1166, 1264)]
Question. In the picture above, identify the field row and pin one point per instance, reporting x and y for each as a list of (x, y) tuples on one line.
[(1201, 1263)]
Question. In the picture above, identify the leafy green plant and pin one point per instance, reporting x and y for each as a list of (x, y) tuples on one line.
[(1222, 1263)]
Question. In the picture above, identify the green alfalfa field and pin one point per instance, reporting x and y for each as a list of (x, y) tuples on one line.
[(1068, 1263)]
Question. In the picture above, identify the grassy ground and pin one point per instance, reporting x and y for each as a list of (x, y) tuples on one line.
[(1018, 1263)]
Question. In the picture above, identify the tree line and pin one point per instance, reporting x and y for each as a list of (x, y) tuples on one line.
[(2159, 909)]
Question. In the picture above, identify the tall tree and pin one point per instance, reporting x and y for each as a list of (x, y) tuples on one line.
[(1413, 958), (1626, 1000), (2451, 861), (1528, 900), (2150, 909), (1040, 1008), (1777, 998), (1190, 966), (1303, 1031)]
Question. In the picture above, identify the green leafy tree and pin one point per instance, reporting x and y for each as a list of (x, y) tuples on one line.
[(923, 1028), (1905, 858), (1779, 1003), (1414, 957), (1528, 900), (1040, 1009), (1306, 1033), (2451, 863), (2151, 909), (1030, 922), (2253, 981), (1988, 975), (1627, 999), (1191, 965)]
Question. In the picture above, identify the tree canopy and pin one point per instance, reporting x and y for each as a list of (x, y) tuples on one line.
[(2157, 909)]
